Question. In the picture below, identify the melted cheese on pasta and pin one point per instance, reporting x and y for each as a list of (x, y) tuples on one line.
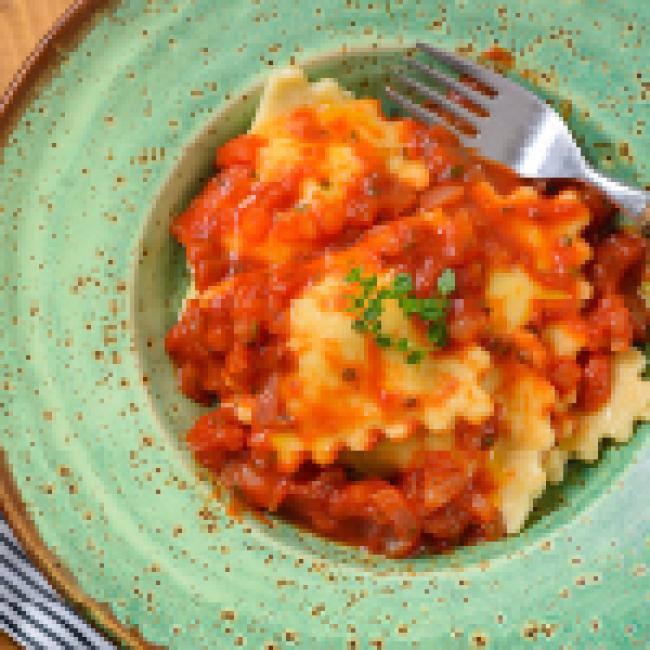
[(628, 404), (337, 395), (289, 89)]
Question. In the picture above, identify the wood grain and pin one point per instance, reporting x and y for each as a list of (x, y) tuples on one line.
[(7, 643), (22, 24)]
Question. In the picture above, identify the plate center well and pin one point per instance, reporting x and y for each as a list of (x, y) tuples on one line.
[(161, 281)]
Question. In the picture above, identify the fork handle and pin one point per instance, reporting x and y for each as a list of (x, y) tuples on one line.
[(633, 202)]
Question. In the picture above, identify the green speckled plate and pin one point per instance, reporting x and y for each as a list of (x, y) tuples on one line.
[(111, 138)]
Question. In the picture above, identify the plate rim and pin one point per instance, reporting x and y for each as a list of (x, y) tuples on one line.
[(60, 38), (93, 612), (43, 59)]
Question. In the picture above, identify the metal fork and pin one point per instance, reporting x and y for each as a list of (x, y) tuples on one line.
[(515, 128)]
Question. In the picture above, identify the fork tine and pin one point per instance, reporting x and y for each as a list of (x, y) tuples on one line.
[(445, 80), (440, 100), (420, 112), (480, 73)]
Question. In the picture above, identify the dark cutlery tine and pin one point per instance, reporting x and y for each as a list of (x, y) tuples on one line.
[(420, 112), (448, 82), (488, 78), (440, 100)]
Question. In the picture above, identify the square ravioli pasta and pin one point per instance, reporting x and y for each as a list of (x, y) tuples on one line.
[(400, 343)]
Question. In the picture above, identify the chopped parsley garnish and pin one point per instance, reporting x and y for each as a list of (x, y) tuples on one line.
[(415, 356), (403, 283), (457, 171), (354, 275), (369, 307), (447, 282)]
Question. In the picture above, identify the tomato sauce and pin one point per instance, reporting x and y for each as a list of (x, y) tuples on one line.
[(253, 246)]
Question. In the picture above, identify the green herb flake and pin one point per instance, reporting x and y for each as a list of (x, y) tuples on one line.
[(402, 345), (359, 326), (409, 305), (383, 340), (432, 309), (373, 311), (457, 171), (403, 283), (447, 282), (437, 333), (414, 357), (354, 275), (369, 307)]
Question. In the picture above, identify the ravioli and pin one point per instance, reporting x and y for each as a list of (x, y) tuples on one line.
[(340, 399), (401, 344)]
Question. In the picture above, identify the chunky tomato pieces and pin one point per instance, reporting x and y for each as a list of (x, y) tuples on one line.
[(253, 246)]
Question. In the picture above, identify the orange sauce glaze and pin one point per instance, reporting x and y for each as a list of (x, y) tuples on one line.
[(235, 343)]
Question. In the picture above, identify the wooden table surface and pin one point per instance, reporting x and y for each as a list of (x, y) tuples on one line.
[(22, 24)]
